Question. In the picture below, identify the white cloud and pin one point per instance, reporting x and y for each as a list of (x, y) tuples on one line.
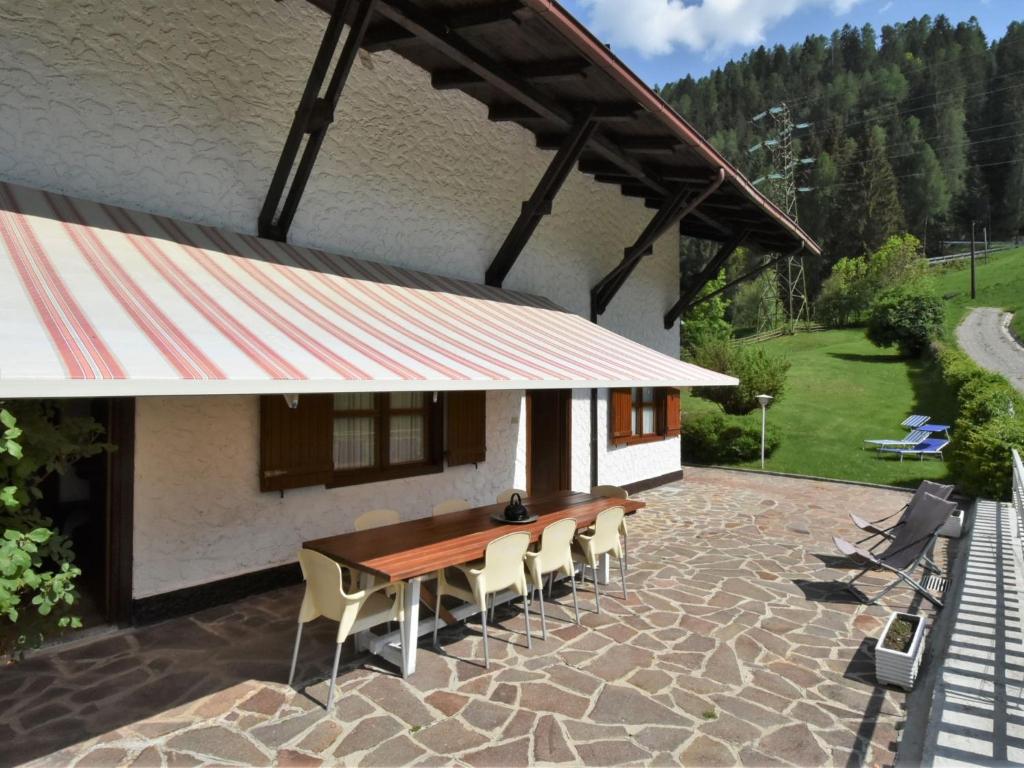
[(655, 27)]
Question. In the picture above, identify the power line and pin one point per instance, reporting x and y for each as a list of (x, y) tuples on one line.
[(846, 184)]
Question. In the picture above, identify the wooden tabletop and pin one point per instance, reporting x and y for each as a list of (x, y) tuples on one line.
[(427, 544)]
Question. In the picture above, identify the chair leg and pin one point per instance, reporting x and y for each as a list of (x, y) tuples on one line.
[(575, 603), (295, 653), (334, 677), (526, 613), (437, 613), (483, 624), (597, 589), (622, 575), (625, 549), (543, 620)]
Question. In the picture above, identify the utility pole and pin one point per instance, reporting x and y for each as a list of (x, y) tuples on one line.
[(973, 285)]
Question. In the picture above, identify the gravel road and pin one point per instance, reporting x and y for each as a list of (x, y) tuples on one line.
[(984, 336)]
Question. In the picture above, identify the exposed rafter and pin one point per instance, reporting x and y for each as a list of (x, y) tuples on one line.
[(678, 206), (484, 15), (539, 204), (313, 117), (502, 78), (556, 69), (516, 111), (688, 292)]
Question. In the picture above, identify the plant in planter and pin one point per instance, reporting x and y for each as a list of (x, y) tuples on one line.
[(37, 570), (898, 650)]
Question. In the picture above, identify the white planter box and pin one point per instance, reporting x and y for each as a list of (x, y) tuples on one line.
[(894, 667), (953, 527)]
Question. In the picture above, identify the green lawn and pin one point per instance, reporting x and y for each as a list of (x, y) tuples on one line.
[(999, 282), (840, 391)]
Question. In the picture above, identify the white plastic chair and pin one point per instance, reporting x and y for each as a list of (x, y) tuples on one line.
[(355, 611), (615, 492), (450, 505), (501, 569), (603, 539), (505, 496), (375, 518), (553, 555)]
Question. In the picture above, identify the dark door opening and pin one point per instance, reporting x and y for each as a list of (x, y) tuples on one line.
[(88, 504), (548, 440)]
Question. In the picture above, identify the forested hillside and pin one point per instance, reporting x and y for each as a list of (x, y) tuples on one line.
[(919, 128)]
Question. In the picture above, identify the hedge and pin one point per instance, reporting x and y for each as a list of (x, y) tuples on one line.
[(989, 423)]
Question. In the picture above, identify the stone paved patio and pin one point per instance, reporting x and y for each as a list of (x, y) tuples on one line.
[(731, 649)]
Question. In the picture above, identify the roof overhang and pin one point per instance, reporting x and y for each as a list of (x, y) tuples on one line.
[(533, 64)]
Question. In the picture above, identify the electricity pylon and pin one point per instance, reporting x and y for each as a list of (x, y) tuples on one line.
[(779, 182)]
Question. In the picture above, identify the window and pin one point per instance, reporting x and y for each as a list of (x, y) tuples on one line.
[(643, 414), (364, 437), (382, 436)]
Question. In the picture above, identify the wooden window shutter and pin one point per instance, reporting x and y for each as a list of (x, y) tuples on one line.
[(621, 415), (466, 427), (670, 417), (295, 444)]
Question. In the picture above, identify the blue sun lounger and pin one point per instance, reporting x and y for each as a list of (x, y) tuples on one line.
[(913, 438), (915, 421), (933, 446)]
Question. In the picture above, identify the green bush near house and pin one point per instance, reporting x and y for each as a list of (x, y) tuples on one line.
[(907, 318), (714, 438), (990, 422), (759, 372)]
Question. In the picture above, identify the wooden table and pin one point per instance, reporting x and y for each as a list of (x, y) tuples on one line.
[(410, 550)]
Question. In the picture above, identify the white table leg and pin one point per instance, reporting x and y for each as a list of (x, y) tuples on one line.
[(411, 627)]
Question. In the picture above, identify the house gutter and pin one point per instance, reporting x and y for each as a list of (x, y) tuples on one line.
[(601, 56)]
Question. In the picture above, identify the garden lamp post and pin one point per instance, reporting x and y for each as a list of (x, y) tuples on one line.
[(763, 400)]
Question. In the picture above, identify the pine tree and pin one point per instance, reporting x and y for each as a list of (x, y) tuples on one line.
[(877, 202)]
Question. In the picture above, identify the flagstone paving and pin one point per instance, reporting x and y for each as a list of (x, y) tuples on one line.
[(732, 648)]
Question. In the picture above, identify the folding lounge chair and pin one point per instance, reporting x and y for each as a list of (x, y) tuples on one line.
[(914, 421), (911, 544), (880, 528), (933, 446), (913, 437)]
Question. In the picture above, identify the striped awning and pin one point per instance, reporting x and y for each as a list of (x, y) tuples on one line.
[(97, 300)]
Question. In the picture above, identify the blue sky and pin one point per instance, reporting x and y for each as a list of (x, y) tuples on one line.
[(663, 40)]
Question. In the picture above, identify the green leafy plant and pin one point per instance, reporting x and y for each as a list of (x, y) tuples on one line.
[(759, 372), (37, 570), (714, 438), (907, 318)]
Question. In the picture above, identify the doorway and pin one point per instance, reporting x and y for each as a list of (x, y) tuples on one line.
[(91, 505), (548, 440)]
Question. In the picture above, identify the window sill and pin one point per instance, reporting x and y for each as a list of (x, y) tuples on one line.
[(366, 476), (638, 439)]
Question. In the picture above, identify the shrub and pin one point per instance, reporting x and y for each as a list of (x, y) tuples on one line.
[(706, 321), (980, 459), (758, 371), (990, 422), (907, 318), (37, 571), (713, 438)]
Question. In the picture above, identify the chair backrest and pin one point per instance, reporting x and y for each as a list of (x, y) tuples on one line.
[(915, 420), (917, 532), (324, 586), (555, 543), (448, 506), (606, 529), (938, 490), (375, 518), (504, 496), (610, 491), (503, 560), (915, 436)]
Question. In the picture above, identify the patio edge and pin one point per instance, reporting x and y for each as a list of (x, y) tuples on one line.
[(816, 478)]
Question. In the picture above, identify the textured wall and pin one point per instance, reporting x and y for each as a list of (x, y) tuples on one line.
[(181, 109)]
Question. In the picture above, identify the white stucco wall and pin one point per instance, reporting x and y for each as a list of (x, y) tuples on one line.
[(181, 109)]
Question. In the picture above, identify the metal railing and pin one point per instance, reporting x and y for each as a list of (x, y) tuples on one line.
[(1018, 484), (980, 253)]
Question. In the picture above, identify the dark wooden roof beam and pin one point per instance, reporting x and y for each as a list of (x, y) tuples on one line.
[(385, 36), (502, 78), (504, 112), (485, 15), (556, 69), (688, 291)]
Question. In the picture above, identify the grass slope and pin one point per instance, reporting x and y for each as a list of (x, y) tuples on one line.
[(840, 391), (999, 282)]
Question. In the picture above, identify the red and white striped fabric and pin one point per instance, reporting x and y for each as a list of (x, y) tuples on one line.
[(97, 300)]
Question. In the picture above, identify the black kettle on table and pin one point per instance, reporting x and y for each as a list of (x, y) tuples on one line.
[(516, 511)]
